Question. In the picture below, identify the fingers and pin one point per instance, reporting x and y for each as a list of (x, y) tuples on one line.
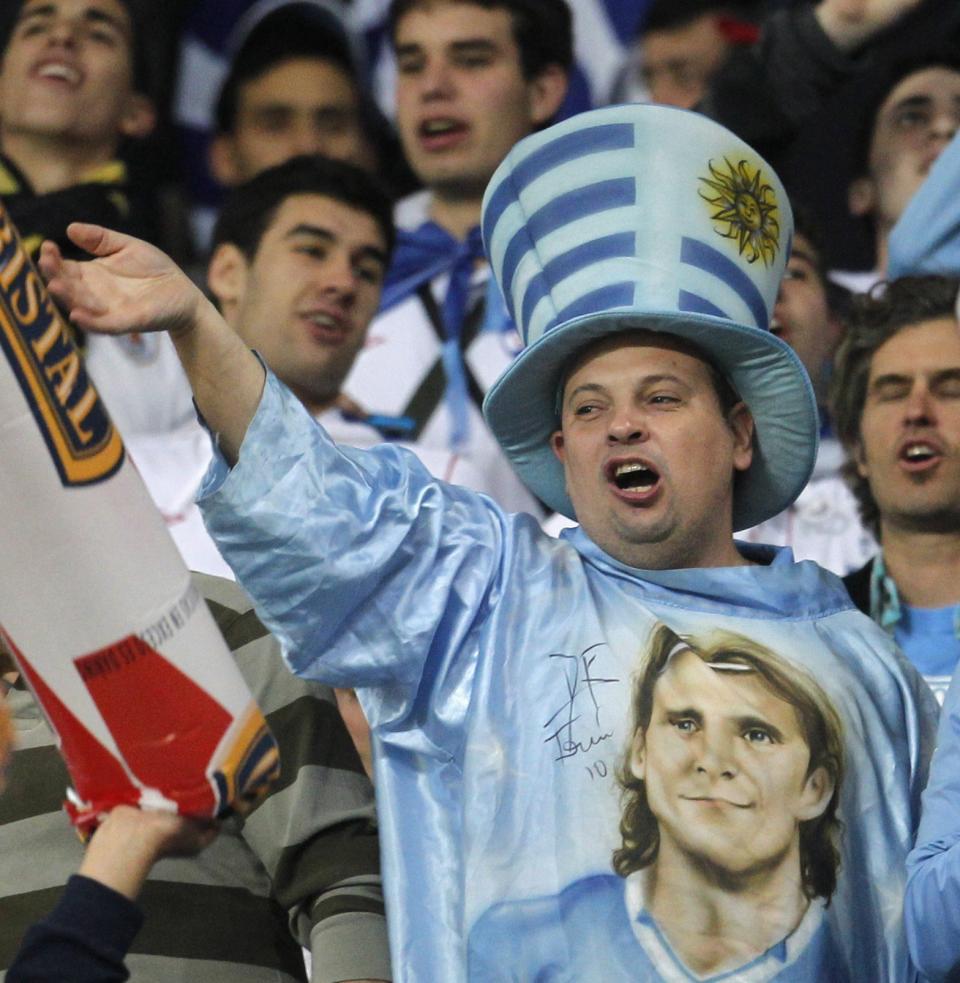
[(65, 283), (96, 239), (50, 260)]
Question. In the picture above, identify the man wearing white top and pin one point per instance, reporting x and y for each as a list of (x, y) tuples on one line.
[(472, 79)]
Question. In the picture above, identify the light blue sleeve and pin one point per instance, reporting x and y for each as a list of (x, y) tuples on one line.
[(370, 571), (926, 238), (932, 903)]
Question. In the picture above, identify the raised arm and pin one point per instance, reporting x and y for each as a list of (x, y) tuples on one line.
[(852, 23), (132, 287)]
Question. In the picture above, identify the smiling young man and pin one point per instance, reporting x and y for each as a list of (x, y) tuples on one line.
[(71, 88), (473, 77), (897, 407), (296, 268), (73, 91), (493, 661)]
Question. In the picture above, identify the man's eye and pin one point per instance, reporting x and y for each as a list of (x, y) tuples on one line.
[(585, 409), (473, 61), (664, 399), (331, 123), (102, 36), (409, 66), (316, 252), (890, 394), (686, 725), (949, 388), (910, 119), (32, 28), (757, 735), (369, 273), (272, 122)]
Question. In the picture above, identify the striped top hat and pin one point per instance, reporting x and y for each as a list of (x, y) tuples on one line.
[(654, 218)]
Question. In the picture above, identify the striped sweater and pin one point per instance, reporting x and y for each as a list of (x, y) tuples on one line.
[(303, 867)]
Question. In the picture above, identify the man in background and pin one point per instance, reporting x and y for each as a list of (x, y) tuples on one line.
[(912, 116), (73, 91), (682, 45), (292, 89), (472, 79), (897, 411), (823, 524)]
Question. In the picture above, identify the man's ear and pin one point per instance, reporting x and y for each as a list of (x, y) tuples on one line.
[(740, 420), (546, 93), (557, 445), (227, 277), (139, 118), (223, 160), (638, 759), (860, 460), (861, 197), (818, 789)]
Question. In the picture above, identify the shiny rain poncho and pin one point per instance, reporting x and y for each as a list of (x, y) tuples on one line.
[(495, 665)]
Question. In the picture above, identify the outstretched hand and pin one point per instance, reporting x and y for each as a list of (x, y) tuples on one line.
[(130, 841), (851, 23), (129, 286)]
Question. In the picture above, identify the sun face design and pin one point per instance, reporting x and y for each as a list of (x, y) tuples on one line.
[(744, 208)]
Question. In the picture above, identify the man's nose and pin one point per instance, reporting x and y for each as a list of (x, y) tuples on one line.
[(716, 758), (307, 139), (626, 426), (945, 123), (436, 80), (63, 30), (340, 277), (919, 408)]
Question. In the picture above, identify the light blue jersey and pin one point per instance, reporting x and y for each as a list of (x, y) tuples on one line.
[(496, 668), (588, 933)]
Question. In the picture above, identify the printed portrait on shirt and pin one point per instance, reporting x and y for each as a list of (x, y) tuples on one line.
[(730, 840)]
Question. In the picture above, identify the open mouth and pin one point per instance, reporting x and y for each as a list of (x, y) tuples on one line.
[(440, 131), (57, 71), (325, 328), (632, 476), (919, 454)]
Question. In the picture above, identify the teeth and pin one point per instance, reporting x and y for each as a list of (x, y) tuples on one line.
[(324, 320), (916, 451), (59, 72), (436, 126), (634, 476)]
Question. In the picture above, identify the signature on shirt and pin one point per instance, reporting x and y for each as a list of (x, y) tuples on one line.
[(576, 727)]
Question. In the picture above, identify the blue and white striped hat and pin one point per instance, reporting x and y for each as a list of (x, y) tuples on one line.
[(654, 218)]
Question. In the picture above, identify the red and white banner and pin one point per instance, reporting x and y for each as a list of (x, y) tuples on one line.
[(95, 603)]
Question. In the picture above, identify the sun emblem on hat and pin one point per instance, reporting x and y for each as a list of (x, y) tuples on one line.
[(744, 208)]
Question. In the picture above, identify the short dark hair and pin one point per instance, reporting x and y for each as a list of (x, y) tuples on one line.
[(143, 81), (250, 207), (668, 15), (298, 30), (542, 29), (873, 319), (819, 722)]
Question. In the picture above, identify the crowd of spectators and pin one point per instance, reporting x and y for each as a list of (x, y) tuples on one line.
[(319, 169)]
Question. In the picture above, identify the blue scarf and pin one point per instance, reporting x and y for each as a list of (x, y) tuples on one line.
[(421, 255)]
